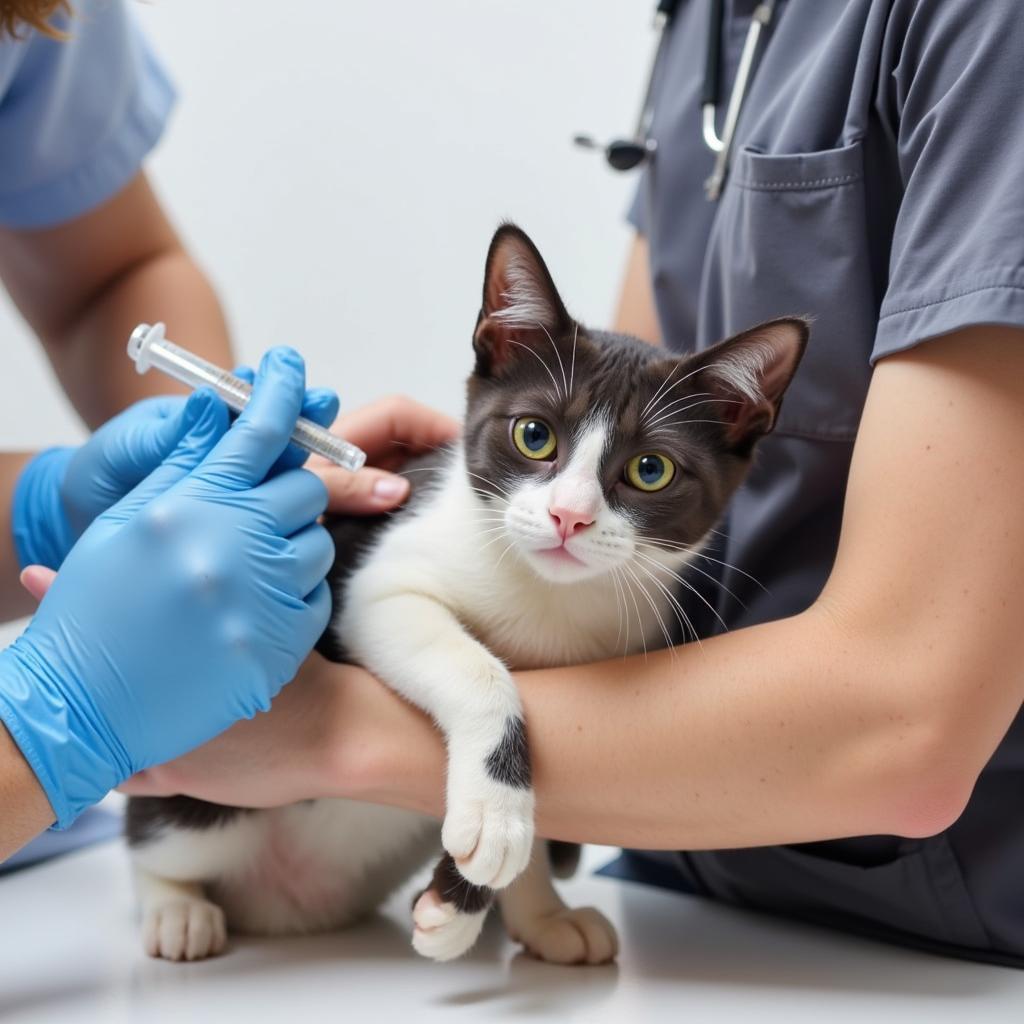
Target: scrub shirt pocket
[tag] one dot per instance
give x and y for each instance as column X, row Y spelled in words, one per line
column 791, row 237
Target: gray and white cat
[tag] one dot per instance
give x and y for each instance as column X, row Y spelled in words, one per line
column 591, row 470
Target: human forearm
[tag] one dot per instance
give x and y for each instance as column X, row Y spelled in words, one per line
column 88, row 355
column 14, row 601
column 872, row 712
column 785, row 732
column 791, row 731
column 84, row 285
column 26, row 811
column 636, row 313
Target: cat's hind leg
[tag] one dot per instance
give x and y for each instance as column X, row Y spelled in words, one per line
column 178, row 922
column 536, row 916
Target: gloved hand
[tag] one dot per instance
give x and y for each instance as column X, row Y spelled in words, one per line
column 62, row 490
column 183, row 608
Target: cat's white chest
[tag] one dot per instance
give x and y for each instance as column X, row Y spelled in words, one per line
column 538, row 625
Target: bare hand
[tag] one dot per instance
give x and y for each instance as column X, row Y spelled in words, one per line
column 390, row 431
column 333, row 732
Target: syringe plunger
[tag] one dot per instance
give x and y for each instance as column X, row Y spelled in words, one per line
column 149, row 347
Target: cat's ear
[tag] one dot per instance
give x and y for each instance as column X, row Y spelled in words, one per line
column 521, row 307
column 750, row 373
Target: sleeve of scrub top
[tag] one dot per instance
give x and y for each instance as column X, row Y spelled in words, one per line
column 77, row 116
column 957, row 255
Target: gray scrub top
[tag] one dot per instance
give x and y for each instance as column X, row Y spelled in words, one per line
column 877, row 183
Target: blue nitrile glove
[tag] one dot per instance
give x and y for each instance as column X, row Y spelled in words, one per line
column 62, row 490
column 186, row 606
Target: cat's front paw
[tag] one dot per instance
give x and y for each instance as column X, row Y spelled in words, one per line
column 573, row 935
column 488, row 830
column 442, row 930
column 184, row 929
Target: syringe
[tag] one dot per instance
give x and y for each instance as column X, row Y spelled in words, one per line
column 149, row 347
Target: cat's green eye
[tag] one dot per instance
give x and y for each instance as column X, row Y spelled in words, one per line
column 650, row 472
column 534, row 438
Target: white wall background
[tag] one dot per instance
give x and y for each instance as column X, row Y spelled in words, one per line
column 338, row 168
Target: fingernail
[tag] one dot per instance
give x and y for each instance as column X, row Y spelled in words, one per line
column 390, row 488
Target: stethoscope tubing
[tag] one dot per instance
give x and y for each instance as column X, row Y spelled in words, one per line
column 625, row 154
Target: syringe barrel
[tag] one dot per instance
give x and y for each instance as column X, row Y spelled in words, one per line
column 148, row 347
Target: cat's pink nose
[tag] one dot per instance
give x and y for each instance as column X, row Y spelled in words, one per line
column 569, row 521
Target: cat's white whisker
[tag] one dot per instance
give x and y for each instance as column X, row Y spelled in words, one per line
column 665, row 413
column 669, row 646
column 654, row 608
column 572, row 367
column 697, row 553
column 614, row 576
column 558, row 356
column 483, row 529
column 503, row 554
column 661, row 386
column 682, row 398
column 683, row 380
column 501, row 535
column 676, row 576
column 491, row 483
column 679, row 423
column 493, row 540
column 639, row 617
column 706, row 602
column 674, row 606
column 536, row 355
column 697, row 593
column 685, row 620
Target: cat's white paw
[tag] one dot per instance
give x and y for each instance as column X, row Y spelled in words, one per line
column 575, row 935
column 186, row 929
column 442, row 932
column 488, row 830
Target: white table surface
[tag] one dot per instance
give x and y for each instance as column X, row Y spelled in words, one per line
column 69, row 952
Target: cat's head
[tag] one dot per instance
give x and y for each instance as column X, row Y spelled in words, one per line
column 595, row 449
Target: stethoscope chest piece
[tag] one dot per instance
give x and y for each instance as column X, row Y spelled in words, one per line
column 627, row 153
column 621, row 154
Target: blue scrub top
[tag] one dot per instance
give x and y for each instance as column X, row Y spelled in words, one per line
column 877, row 184
column 77, row 116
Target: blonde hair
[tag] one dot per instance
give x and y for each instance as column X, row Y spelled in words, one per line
column 36, row 14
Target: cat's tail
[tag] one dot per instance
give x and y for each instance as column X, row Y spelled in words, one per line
column 449, row 914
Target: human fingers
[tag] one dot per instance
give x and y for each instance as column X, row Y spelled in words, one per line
column 37, row 580
column 391, row 429
column 320, row 405
column 289, row 501
column 205, row 423
column 313, row 552
column 364, row 493
column 260, row 435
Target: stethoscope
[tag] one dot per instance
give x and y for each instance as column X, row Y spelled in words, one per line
column 625, row 154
